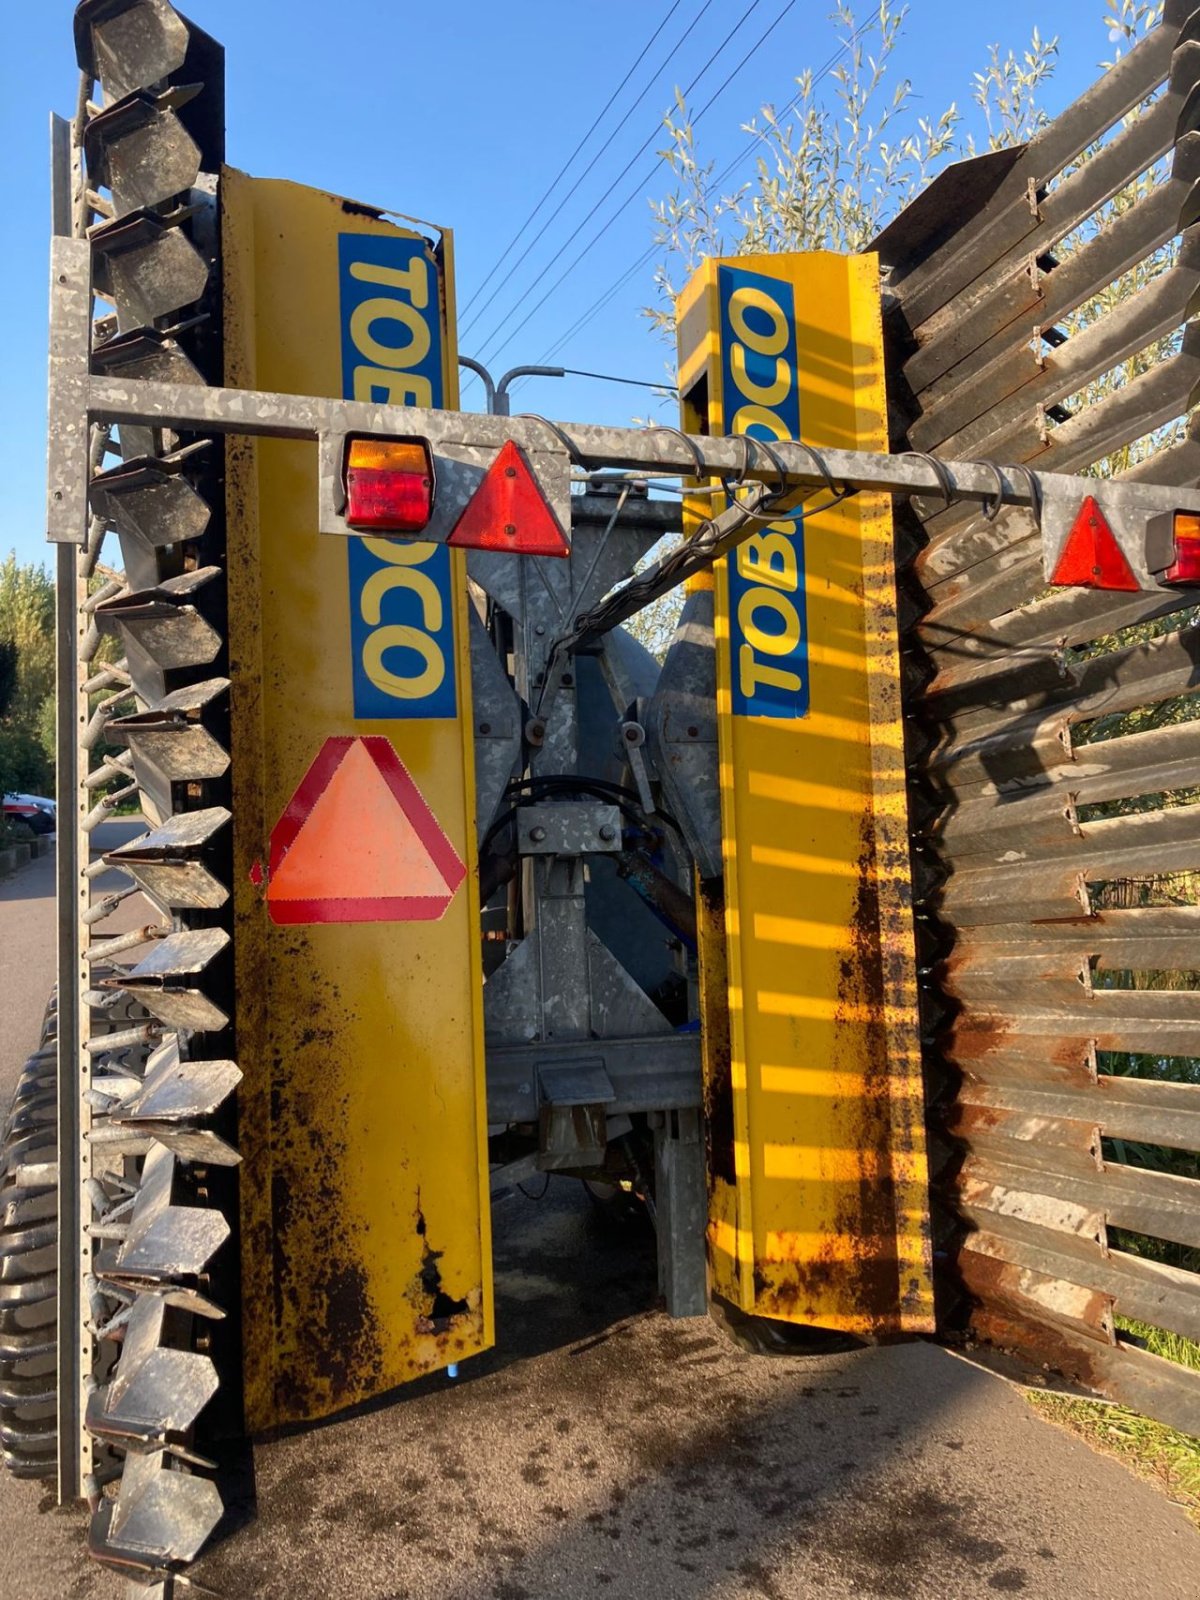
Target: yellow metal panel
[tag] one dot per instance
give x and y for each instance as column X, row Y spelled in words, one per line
column 365, row 1222
column 829, row 1220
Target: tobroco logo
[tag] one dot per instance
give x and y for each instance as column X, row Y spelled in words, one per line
column 767, row 622
column 401, row 614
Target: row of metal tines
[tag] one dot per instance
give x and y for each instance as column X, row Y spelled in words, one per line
column 154, row 715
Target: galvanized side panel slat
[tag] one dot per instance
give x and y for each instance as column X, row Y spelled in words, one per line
column 1021, row 945
column 1157, row 1204
column 1007, row 220
column 1111, row 847
column 1153, row 762
column 1138, row 1020
column 1129, row 1376
column 1123, row 1108
column 1118, row 680
column 972, row 418
column 1064, row 617
column 1036, row 294
column 1152, row 938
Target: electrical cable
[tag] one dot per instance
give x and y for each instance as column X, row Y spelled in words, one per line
column 609, row 377
column 570, row 239
column 512, row 243
column 654, row 76
column 608, row 294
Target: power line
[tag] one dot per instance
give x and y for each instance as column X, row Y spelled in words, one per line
column 608, row 294
column 515, row 240
column 652, row 80
column 753, row 6
column 608, row 377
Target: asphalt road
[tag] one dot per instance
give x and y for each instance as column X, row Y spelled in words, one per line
column 604, row 1451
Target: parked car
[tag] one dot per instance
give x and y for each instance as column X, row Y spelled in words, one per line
column 26, row 815
column 41, row 801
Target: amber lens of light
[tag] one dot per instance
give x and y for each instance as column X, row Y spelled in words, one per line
column 388, row 455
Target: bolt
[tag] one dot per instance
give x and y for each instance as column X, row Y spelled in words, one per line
column 485, row 727
column 510, row 528
column 693, row 732
column 608, row 832
column 510, row 472
column 540, row 629
column 537, row 834
column 568, row 679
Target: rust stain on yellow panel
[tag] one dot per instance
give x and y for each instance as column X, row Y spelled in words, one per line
column 828, row 1221
column 365, row 1221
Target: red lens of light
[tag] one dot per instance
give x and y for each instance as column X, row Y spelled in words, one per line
column 1184, row 572
column 389, row 486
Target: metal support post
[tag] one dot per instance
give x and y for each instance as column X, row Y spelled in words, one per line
column 680, row 1204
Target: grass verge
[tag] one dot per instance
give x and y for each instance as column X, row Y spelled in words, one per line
column 1165, row 1457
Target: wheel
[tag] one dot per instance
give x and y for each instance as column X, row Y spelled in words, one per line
column 29, row 1264
column 764, row 1336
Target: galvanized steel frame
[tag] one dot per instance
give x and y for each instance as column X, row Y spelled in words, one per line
column 1028, row 898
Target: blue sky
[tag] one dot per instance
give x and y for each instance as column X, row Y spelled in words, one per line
column 462, row 113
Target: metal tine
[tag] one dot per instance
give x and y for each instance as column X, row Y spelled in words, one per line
column 146, row 269
column 150, row 507
column 164, row 1239
column 164, row 861
column 161, row 631
column 127, row 45
column 178, row 1089
column 160, row 1515
column 158, row 1399
column 146, row 353
column 113, row 767
column 126, row 941
column 169, row 744
column 94, row 731
column 140, row 150
column 109, row 677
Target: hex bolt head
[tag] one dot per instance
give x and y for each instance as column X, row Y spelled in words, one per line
column 537, row 834
column 608, row 832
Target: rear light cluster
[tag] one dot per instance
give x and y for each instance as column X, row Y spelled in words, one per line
column 390, row 488
column 1184, row 571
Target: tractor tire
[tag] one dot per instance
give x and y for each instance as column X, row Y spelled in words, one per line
column 29, row 1264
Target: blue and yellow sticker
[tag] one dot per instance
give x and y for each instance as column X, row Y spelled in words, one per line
column 401, row 603
column 768, row 622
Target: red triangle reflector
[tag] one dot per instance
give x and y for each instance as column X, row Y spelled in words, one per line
column 358, row 843
column 509, row 512
column 1091, row 557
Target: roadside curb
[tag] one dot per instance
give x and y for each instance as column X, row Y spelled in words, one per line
column 15, row 856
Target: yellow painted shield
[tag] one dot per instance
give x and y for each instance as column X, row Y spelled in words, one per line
column 818, row 1181
column 365, row 1228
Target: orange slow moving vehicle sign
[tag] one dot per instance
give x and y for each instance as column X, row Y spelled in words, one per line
column 366, row 1251
column 357, row 843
